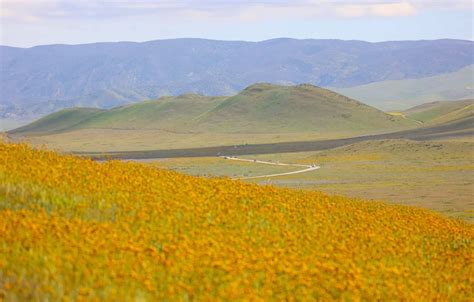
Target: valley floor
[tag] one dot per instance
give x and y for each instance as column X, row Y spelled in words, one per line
column 129, row 140
column 437, row 175
column 430, row 167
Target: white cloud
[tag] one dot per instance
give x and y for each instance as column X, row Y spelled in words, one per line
column 399, row 9
column 35, row 10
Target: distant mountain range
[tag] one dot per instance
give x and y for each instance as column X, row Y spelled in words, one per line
column 43, row 79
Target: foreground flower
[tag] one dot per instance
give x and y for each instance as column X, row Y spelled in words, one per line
column 74, row 229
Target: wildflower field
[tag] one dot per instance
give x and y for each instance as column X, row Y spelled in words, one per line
column 75, row 229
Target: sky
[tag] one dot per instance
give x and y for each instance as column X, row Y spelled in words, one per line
column 26, row 23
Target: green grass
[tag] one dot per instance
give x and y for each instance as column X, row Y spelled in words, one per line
column 441, row 112
column 58, row 122
column 260, row 108
column 403, row 94
column 302, row 108
column 171, row 113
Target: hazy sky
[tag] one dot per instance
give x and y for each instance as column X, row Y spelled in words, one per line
column 27, row 23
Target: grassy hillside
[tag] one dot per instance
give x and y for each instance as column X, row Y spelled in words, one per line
column 60, row 121
column 74, row 229
column 441, row 112
column 463, row 113
column 260, row 108
column 302, row 108
column 166, row 112
column 159, row 143
column 402, row 94
column 169, row 113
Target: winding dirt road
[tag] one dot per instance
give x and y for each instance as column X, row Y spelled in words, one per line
column 307, row 168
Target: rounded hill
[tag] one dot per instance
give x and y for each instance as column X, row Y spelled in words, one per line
column 302, row 108
column 259, row 108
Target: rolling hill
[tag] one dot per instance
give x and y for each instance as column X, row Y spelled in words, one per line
column 441, row 112
column 59, row 121
column 402, row 94
column 43, row 79
column 260, row 108
column 302, row 108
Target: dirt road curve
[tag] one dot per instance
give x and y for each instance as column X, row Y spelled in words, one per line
column 307, row 168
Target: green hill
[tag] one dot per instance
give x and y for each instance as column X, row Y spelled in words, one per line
column 60, row 121
column 402, row 94
column 302, row 108
column 260, row 108
column 170, row 113
column 441, row 112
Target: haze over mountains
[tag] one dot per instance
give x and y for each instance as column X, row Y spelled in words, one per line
column 43, row 79
column 402, row 94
